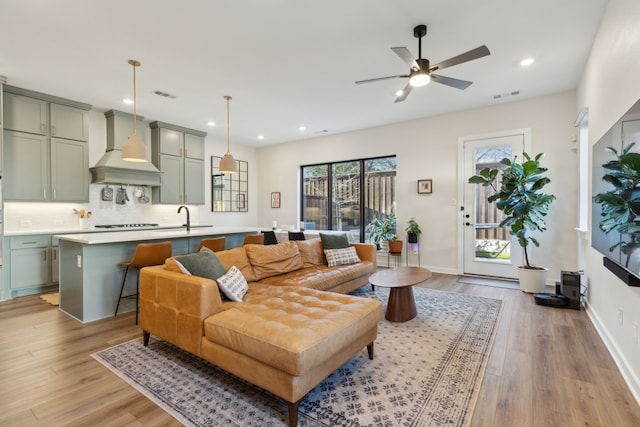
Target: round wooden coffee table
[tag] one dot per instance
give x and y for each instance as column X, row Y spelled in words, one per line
column 401, row 305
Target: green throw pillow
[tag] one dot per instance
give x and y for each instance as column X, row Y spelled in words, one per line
column 202, row 264
column 334, row 241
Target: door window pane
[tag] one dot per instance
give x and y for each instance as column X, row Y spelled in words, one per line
column 492, row 242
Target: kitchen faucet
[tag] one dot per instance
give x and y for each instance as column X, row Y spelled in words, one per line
column 188, row 217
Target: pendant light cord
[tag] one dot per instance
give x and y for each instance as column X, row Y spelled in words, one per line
column 228, row 98
column 135, row 64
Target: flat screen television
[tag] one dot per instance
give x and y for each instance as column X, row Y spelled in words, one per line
column 620, row 245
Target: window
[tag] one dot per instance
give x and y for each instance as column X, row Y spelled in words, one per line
column 333, row 197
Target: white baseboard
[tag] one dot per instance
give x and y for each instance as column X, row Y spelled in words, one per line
column 618, row 357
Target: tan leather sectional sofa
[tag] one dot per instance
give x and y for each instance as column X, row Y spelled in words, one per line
column 287, row 334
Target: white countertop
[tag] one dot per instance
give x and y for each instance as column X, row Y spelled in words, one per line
column 96, row 238
column 34, row 231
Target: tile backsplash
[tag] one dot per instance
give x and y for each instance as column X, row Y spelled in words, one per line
column 21, row 216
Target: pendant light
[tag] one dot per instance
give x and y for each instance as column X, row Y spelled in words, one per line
column 134, row 149
column 228, row 163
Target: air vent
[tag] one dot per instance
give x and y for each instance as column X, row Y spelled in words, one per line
column 164, row 94
column 506, row 95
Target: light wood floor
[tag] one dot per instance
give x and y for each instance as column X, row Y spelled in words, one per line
column 548, row 367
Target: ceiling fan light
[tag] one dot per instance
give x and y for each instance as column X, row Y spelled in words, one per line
column 420, row 79
column 227, row 164
column 134, row 149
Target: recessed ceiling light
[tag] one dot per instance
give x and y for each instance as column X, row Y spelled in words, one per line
column 400, row 93
column 302, row 128
column 526, row 62
column 212, row 124
column 260, row 136
column 128, row 101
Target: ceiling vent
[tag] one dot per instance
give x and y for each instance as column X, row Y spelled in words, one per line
column 506, row 95
column 164, row 94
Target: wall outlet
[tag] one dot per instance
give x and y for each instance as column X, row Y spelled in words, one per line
column 620, row 315
column 58, row 222
column 25, row 223
column 79, row 261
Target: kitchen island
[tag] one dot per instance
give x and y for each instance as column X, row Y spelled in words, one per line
column 90, row 279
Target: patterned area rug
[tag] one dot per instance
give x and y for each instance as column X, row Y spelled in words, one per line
column 426, row 372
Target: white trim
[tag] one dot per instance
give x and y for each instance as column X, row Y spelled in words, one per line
column 633, row 382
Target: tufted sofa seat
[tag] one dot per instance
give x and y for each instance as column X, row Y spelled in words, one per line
column 286, row 335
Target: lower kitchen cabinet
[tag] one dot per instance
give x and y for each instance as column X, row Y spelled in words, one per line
column 33, row 264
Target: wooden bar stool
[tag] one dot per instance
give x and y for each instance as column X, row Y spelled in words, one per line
column 216, row 244
column 146, row 255
column 256, row 239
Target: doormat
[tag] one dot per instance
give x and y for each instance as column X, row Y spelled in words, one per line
column 53, row 299
column 426, row 372
column 490, row 281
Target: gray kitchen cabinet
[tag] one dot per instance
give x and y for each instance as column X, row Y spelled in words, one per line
column 179, row 154
column 25, row 114
column 171, row 181
column 31, row 263
column 46, row 153
column 69, row 175
column 193, row 181
column 26, row 166
column 29, row 114
column 69, row 122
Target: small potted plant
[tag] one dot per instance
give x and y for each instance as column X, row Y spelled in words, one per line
column 381, row 230
column 524, row 206
column 413, row 231
column 395, row 245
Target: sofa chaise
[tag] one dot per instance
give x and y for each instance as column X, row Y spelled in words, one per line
column 286, row 334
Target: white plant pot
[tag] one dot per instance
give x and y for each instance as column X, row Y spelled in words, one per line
column 532, row 280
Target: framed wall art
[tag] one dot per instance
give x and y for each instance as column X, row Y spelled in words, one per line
column 275, row 199
column 424, row 186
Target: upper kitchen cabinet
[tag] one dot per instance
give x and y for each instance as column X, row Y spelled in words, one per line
column 46, row 155
column 38, row 116
column 179, row 154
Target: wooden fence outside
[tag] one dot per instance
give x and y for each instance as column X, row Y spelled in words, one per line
column 379, row 198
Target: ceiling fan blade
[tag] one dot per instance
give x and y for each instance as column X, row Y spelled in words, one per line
column 450, row 81
column 476, row 53
column 406, row 56
column 405, row 93
column 380, row 78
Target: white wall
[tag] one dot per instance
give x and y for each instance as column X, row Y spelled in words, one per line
column 609, row 87
column 427, row 148
column 59, row 216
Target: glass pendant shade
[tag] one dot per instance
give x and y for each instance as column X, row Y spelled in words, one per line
column 134, row 149
column 228, row 163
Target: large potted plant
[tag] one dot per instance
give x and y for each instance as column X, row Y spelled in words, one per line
column 413, row 231
column 620, row 206
column 381, row 230
column 524, row 205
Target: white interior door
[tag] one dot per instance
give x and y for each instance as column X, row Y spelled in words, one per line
column 487, row 249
